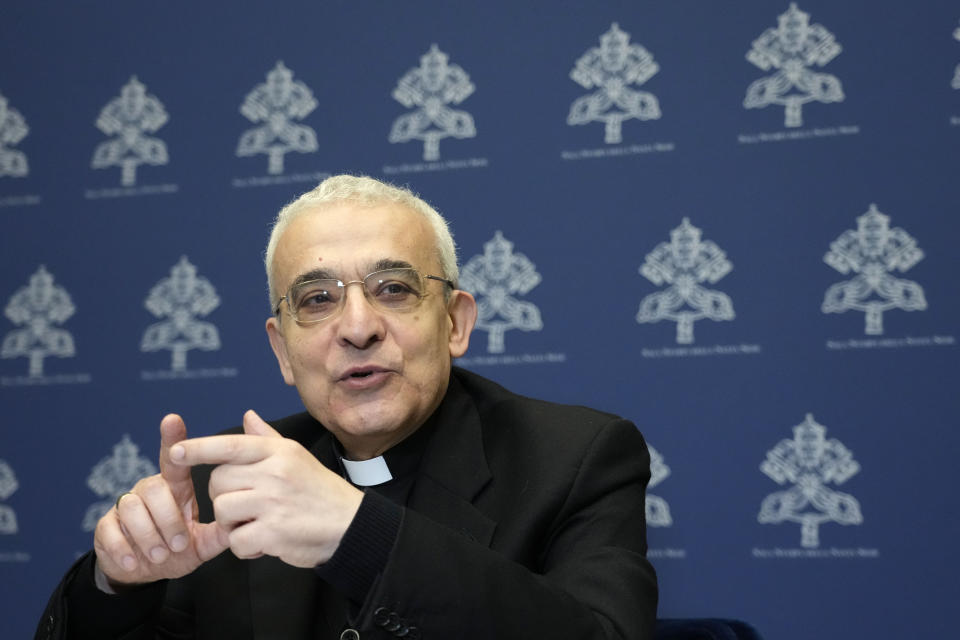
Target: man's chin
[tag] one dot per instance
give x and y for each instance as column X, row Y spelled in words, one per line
column 373, row 418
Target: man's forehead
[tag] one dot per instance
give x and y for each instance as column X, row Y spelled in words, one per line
column 350, row 241
column 347, row 223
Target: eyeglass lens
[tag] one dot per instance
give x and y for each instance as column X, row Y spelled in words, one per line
column 392, row 289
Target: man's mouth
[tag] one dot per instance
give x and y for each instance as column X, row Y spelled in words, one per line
column 359, row 373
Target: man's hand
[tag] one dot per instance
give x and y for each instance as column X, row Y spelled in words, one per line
column 272, row 495
column 153, row 531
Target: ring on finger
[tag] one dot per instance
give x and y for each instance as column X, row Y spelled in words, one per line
column 120, row 497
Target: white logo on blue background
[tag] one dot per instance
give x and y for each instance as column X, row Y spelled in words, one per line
column 112, row 476
column 683, row 265
column 429, row 89
column 792, row 48
column 13, row 129
column 127, row 119
column 872, row 251
column 179, row 301
column 657, row 509
column 809, row 462
column 276, row 103
column 497, row 277
column 8, row 486
column 611, row 69
column 956, row 74
column 38, row 308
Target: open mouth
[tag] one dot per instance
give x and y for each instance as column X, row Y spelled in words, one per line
column 360, row 374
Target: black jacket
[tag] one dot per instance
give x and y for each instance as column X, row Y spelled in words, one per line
column 526, row 520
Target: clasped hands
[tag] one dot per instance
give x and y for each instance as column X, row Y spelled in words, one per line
column 270, row 497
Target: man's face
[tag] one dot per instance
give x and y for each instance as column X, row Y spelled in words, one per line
column 370, row 376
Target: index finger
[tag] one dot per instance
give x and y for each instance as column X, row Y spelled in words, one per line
column 225, row 449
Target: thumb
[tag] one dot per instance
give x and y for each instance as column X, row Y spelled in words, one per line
column 254, row 425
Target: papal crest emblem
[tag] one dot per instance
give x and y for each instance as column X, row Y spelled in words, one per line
column 127, row 119
column 683, row 265
column 612, row 70
column 809, row 463
column 956, row 73
column 497, row 278
column 657, row 509
column 13, row 129
column 430, row 90
column 790, row 50
column 8, row 486
column 871, row 252
column 38, row 309
column 276, row 105
column 112, row 476
column 179, row 301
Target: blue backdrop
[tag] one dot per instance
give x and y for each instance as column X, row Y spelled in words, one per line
column 730, row 223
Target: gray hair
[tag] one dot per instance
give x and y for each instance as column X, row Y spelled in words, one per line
column 367, row 192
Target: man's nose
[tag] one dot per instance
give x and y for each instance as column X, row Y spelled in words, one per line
column 360, row 323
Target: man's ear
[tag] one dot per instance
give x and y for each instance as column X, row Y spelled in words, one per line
column 462, row 310
column 279, row 346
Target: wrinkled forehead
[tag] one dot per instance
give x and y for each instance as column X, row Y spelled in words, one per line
column 349, row 241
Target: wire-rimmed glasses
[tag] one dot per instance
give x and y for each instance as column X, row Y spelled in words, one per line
column 390, row 290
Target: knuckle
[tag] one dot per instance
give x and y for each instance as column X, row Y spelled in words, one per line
column 144, row 483
column 167, row 520
column 282, row 467
column 247, row 542
column 117, row 548
column 153, row 486
column 137, row 524
column 232, row 446
column 113, row 542
column 239, row 542
column 218, row 508
column 218, row 480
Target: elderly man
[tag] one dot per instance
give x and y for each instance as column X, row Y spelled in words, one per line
column 411, row 499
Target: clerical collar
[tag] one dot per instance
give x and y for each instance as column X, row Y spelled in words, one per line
column 400, row 461
column 367, row 473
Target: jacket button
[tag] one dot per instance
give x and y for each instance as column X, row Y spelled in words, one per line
column 413, row 633
column 349, row 634
column 380, row 616
column 393, row 622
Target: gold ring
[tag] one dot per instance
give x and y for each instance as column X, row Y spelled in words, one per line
column 120, row 497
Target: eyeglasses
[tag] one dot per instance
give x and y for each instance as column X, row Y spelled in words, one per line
column 388, row 290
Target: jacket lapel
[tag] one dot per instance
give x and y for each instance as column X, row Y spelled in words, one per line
column 454, row 469
column 284, row 599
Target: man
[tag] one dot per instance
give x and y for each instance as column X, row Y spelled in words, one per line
column 412, row 499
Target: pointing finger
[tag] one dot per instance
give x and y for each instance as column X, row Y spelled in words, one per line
column 227, row 449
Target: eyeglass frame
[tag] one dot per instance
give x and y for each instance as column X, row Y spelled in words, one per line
column 366, row 294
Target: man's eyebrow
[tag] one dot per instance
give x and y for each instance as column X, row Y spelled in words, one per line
column 314, row 274
column 391, row 263
column 325, row 274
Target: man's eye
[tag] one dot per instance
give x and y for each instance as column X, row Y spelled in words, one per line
column 395, row 291
column 315, row 300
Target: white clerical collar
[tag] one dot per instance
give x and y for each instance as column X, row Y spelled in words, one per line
column 367, row 473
